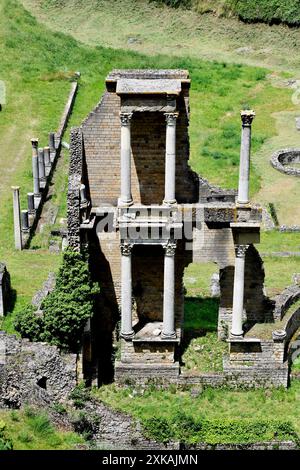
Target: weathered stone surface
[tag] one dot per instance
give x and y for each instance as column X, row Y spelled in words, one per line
column 283, row 160
column 5, row 289
column 128, row 86
column 48, row 287
column 75, row 174
column 285, row 299
column 33, row 371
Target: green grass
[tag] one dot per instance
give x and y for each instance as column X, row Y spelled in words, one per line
column 32, row 430
column 210, row 404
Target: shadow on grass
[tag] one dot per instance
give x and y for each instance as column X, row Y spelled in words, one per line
column 200, row 317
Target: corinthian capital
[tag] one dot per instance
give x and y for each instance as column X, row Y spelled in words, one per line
column 126, row 248
column 247, row 116
column 240, row 250
column 170, row 247
column 171, row 118
column 125, row 119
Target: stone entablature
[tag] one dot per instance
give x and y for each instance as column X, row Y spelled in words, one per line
column 283, row 160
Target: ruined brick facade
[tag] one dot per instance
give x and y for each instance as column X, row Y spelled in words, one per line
column 213, row 212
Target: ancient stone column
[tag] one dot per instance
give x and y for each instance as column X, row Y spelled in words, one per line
column 126, row 291
column 243, row 193
column 47, row 160
column 170, row 164
column 30, row 203
column 42, row 173
column 126, row 197
column 168, row 331
column 52, row 141
column 17, row 217
column 83, row 198
column 35, row 167
column 25, row 221
column 238, row 291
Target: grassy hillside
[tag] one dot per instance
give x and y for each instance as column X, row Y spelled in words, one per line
column 268, row 11
column 142, row 26
column 29, row 429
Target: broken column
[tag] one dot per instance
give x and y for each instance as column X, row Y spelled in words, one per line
column 17, row 217
column 5, row 289
column 168, row 331
column 47, row 160
column 238, row 291
column 126, row 291
column 126, row 197
column 35, row 167
column 42, row 173
column 30, row 203
column 25, row 221
column 170, row 165
column 247, row 117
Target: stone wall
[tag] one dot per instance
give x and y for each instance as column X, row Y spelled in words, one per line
column 283, row 160
column 29, row 369
column 75, row 176
column 101, row 134
column 5, row 289
column 257, row 307
column 285, row 299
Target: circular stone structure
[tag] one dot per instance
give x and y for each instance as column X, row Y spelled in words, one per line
column 283, row 160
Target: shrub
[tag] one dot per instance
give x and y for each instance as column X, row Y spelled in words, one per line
column 5, row 442
column 66, row 309
column 188, row 429
column 71, row 304
column 28, row 324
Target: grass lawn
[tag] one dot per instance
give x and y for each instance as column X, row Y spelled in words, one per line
column 29, row 429
column 210, row 404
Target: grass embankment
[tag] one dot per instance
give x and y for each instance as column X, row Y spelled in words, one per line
column 214, row 405
column 29, row 429
column 37, row 87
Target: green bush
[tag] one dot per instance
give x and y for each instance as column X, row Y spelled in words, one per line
column 65, row 310
column 268, row 11
column 188, row 429
column 5, row 442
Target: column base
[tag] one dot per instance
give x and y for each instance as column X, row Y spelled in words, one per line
column 168, row 335
column 127, row 335
column 242, row 204
column 122, row 203
column 172, row 202
column 236, row 336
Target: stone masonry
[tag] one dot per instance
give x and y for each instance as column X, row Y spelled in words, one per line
column 145, row 215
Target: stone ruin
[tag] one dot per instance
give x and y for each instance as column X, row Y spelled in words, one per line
column 5, row 289
column 144, row 216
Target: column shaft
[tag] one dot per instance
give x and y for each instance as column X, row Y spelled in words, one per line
column 168, row 331
column 170, row 163
column 244, row 175
column 126, row 292
column 35, row 167
column 17, row 218
column 126, row 197
column 42, row 173
column 238, row 291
